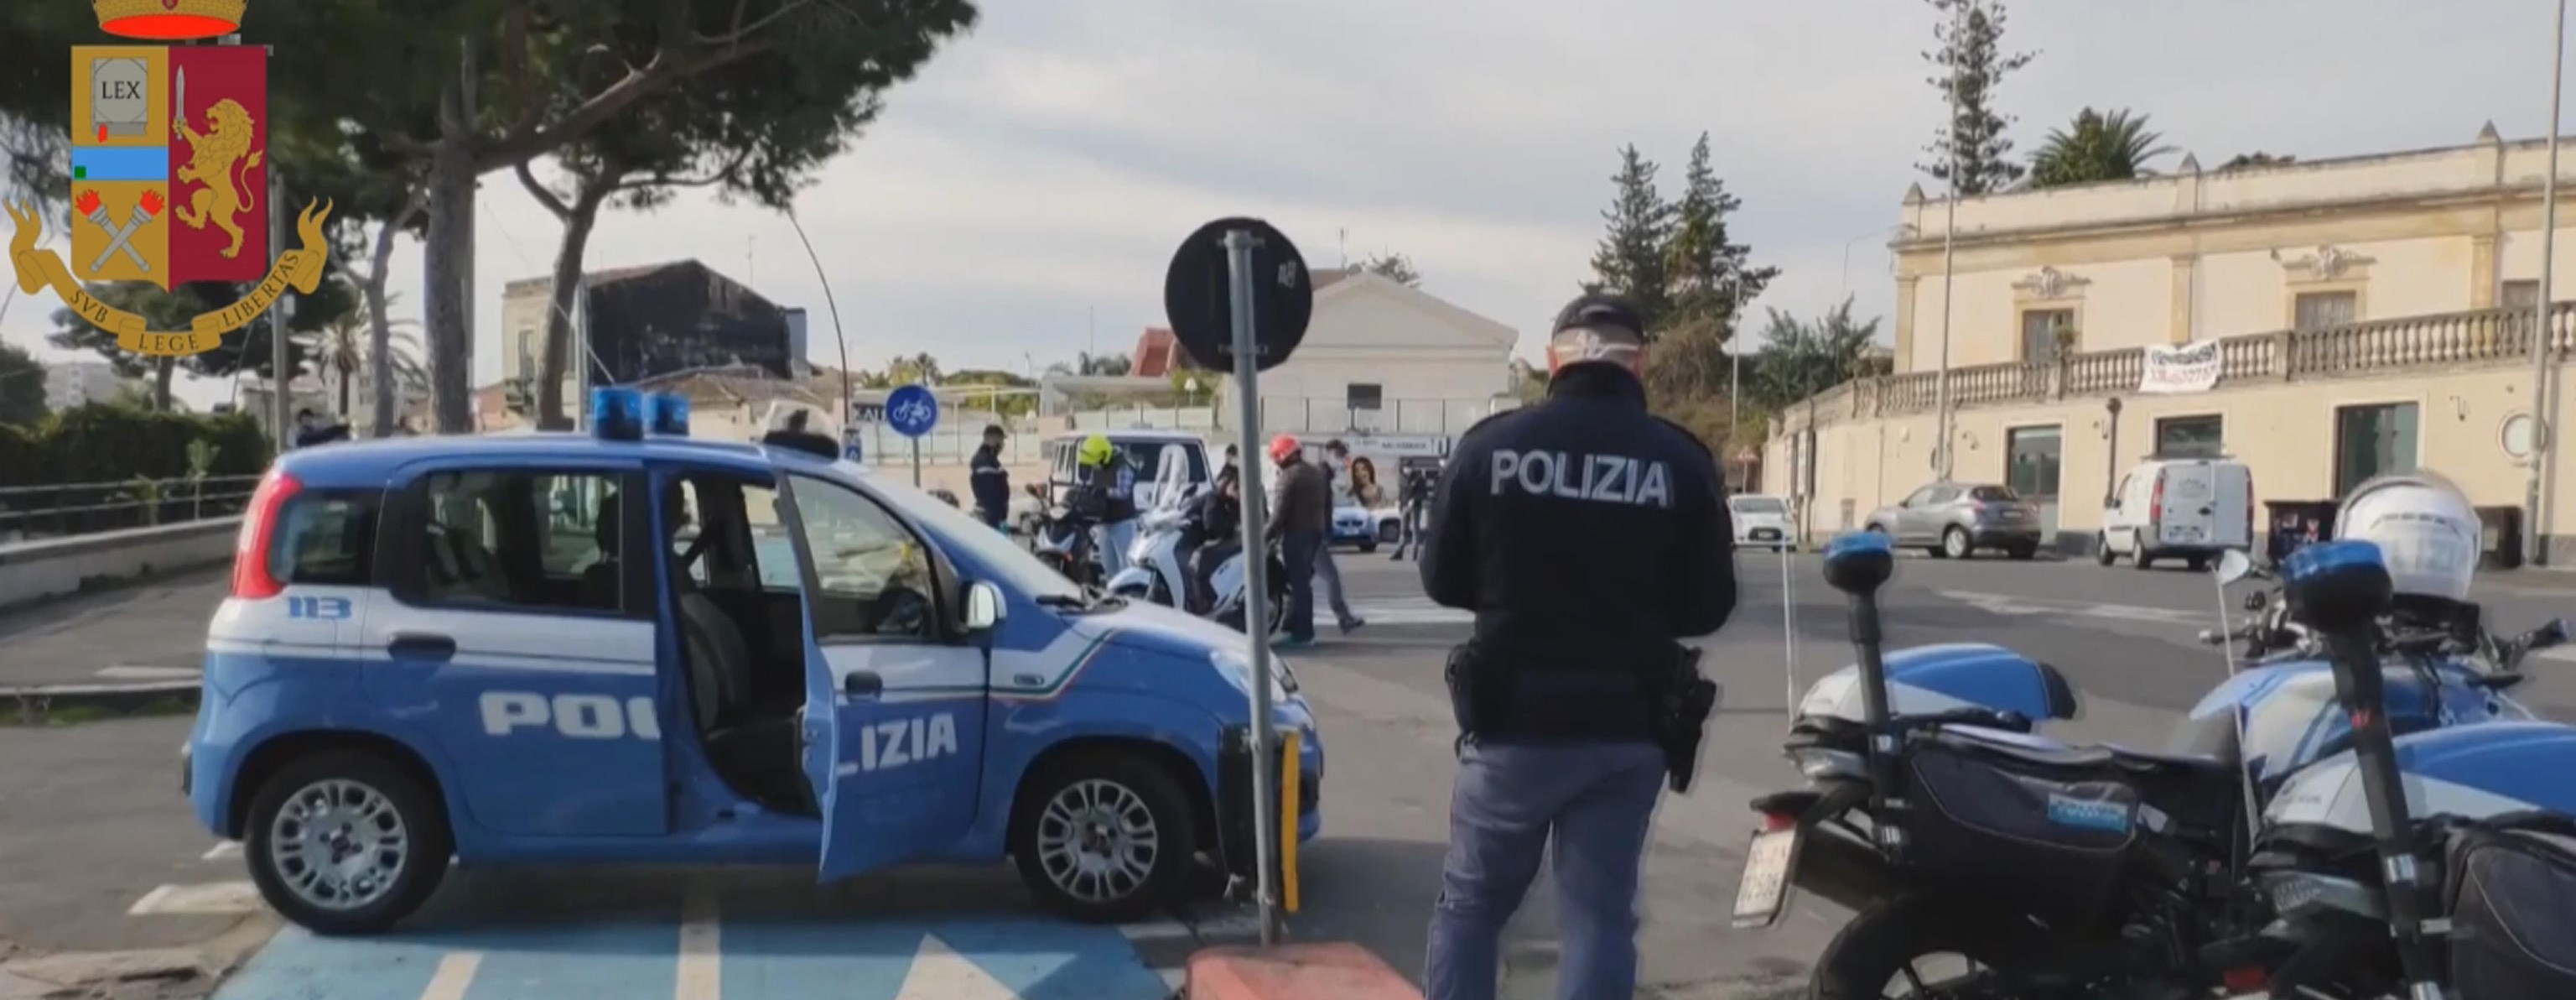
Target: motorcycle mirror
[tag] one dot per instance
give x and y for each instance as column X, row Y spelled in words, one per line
column 2210, row 637
column 2257, row 600
column 2234, row 565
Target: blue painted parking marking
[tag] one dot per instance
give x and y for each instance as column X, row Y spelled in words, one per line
column 950, row 958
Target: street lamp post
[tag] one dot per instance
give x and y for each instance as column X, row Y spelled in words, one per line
column 1949, row 246
column 2543, row 442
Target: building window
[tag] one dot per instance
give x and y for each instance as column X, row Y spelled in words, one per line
column 1366, row 397
column 2036, row 455
column 2372, row 441
column 2326, row 310
column 2520, row 294
column 2191, row 437
column 2040, row 329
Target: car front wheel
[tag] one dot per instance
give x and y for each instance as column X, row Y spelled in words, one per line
column 1104, row 837
column 1955, row 544
column 345, row 842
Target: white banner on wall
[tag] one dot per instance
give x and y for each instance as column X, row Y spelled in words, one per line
column 2181, row 368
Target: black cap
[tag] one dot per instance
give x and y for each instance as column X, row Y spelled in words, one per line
column 1600, row 311
column 995, row 429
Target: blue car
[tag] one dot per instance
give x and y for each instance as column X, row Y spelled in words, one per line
column 631, row 647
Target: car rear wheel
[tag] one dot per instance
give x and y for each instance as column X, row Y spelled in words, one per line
column 1104, row 837
column 1955, row 544
column 344, row 842
column 2138, row 557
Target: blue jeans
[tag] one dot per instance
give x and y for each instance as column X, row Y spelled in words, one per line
column 1297, row 549
column 1597, row 801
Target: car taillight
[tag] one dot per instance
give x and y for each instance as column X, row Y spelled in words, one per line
column 251, row 578
column 2156, row 503
column 1775, row 822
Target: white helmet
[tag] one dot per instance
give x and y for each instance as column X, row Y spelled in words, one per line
column 2424, row 527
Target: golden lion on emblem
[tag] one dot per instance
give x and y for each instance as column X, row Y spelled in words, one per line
column 215, row 162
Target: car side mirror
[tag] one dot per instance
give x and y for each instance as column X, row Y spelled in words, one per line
column 2234, row 565
column 983, row 606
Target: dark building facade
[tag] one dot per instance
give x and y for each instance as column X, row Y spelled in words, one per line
column 664, row 318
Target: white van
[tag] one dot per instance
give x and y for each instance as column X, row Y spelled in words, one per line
column 2178, row 508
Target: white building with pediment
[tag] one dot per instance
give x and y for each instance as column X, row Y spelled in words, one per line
column 1386, row 357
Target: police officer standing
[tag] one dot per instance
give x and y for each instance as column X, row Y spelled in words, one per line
column 1588, row 536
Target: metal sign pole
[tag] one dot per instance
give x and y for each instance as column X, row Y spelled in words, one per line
column 916, row 463
column 1256, row 598
column 278, row 312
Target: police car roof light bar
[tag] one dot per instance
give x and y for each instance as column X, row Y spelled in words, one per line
column 667, row 414
column 616, row 414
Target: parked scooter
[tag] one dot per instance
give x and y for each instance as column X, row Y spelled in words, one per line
column 1157, row 569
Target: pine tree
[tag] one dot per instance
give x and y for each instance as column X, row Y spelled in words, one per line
column 1630, row 261
column 1708, row 280
column 1971, row 62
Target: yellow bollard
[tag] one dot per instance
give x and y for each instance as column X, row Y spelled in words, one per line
column 1288, row 820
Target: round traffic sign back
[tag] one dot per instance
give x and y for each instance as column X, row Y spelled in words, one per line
column 1198, row 299
column 912, row 410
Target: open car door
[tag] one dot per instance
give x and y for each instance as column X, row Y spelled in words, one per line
column 892, row 730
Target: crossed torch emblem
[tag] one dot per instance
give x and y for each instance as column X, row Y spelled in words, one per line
column 120, row 237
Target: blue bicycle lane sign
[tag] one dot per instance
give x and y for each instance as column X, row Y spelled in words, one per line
column 912, row 411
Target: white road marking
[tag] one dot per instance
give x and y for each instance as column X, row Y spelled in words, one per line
column 2018, row 605
column 222, row 850
column 454, row 976
column 940, row 973
column 701, row 945
column 202, row 898
column 1157, row 931
column 1407, row 611
column 125, row 672
column 2563, row 654
column 1175, row 980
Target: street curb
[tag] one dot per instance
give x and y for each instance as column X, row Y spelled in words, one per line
column 1329, row 971
column 190, row 969
column 33, row 702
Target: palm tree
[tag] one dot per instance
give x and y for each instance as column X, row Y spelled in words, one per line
column 341, row 349
column 2099, row 147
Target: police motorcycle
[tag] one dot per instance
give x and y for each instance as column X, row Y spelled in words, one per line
column 2437, row 865
column 1157, row 572
column 2193, row 801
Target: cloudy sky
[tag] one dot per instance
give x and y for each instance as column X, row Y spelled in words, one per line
column 1020, row 199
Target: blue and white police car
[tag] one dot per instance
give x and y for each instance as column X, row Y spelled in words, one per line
column 629, row 646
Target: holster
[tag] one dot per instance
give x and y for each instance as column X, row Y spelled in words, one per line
column 1684, row 699
column 1471, row 690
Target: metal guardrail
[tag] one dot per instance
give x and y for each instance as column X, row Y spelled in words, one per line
column 61, row 510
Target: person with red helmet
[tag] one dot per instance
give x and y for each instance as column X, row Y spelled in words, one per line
column 1301, row 512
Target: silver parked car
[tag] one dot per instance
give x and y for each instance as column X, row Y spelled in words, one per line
column 1956, row 519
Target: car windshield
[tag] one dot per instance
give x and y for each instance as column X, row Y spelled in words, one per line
column 1757, row 505
column 1995, row 494
column 990, row 548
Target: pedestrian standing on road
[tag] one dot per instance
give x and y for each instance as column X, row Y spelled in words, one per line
column 991, row 483
column 1301, row 511
column 1415, row 486
column 1337, row 460
column 1589, row 537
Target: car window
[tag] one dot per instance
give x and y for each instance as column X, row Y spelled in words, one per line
column 871, row 576
column 1941, row 495
column 1919, row 498
column 1757, row 505
column 521, row 539
column 325, row 537
column 1994, row 494
column 2121, row 492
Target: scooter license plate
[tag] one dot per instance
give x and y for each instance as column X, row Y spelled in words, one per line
column 1763, row 892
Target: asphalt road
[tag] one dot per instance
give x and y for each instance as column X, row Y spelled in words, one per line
column 92, row 829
